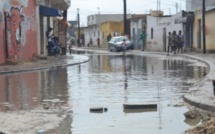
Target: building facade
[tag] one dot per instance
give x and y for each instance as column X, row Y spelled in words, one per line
column 137, row 26
column 192, row 5
column 97, row 23
column 18, row 36
column 158, row 29
column 51, row 14
column 209, row 31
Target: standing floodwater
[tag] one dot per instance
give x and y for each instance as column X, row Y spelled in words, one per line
column 110, row 81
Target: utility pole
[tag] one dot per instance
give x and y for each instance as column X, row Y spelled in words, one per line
column 176, row 6
column 169, row 11
column 98, row 10
column 203, row 26
column 78, row 27
column 125, row 18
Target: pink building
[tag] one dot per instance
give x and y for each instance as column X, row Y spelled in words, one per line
column 18, row 30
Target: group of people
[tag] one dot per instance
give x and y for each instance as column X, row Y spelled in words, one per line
column 175, row 42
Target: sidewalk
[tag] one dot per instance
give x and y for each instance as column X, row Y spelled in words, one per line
column 201, row 94
column 51, row 62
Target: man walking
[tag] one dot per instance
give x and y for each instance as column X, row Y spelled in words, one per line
column 169, row 43
column 98, row 42
column 180, row 42
column 143, row 38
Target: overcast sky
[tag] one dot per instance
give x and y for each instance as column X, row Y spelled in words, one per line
column 90, row 7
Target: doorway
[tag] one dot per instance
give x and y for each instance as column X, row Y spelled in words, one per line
column 134, row 37
column 164, row 40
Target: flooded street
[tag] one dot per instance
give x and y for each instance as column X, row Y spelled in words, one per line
column 110, row 81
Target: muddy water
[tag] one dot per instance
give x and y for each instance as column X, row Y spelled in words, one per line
column 110, row 81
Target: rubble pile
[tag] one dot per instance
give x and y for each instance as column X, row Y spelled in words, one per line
column 205, row 128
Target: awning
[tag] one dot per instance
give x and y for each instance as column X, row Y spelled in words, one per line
column 47, row 11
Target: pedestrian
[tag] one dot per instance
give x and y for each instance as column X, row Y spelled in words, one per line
column 91, row 42
column 49, row 39
column 169, row 43
column 143, row 39
column 174, row 41
column 124, row 46
column 98, row 42
column 109, row 37
column 180, row 42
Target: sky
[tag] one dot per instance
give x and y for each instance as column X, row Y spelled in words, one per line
column 91, row 7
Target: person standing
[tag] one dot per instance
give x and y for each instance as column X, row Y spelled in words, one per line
column 180, row 42
column 50, row 43
column 143, row 39
column 174, row 41
column 109, row 37
column 98, row 42
column 169, row 43
column 124, row 46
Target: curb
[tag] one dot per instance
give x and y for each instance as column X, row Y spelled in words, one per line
column 42, row 68
column 189, row 99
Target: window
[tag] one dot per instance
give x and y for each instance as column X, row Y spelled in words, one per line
column 152, row 33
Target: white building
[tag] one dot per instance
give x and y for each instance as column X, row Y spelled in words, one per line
column 137, row 26
column 158, row 29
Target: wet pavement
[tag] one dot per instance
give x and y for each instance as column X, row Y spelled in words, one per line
column 109, row 80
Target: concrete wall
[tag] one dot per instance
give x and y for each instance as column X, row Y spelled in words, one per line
column 210, row 31
column 161, row 26
column 21, row 29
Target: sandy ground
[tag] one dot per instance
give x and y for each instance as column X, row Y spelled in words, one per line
column 28, row 122
column 205, row 128
column 43, row 119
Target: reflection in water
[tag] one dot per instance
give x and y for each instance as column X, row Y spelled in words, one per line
column 25, row 91
column 108, row 81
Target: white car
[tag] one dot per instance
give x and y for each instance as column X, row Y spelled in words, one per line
column 115, row 44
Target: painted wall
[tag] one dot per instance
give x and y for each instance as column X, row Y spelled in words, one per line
column 210, row 31
column 21, row 29
column 102, row 31
column 2, row 53
column 161, row 27
column 109, row 28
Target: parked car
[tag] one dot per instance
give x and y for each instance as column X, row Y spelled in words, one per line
column 115, row 44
